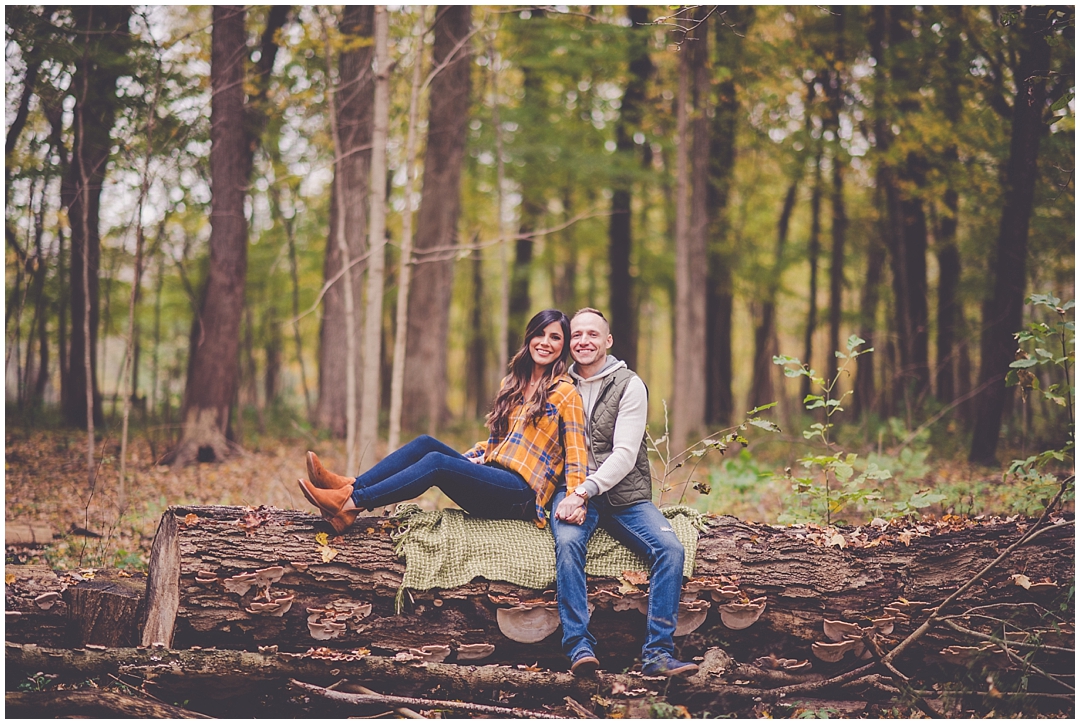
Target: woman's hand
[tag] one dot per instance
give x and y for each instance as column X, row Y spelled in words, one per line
column 571, row 509
column 479, row 460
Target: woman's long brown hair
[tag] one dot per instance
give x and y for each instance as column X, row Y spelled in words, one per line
column 512, row 392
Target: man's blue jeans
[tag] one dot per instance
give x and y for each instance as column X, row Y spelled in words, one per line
column 489, row 491
column 644, row 530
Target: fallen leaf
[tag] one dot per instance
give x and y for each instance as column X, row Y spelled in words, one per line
column 906, row 536
column 637, row 578
column 9, row 578
column 322, row 539
column 838, row 541
column 191, row 520
column 1019, row 579
column 328, row 553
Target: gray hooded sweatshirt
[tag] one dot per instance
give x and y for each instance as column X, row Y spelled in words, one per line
column 629, row 427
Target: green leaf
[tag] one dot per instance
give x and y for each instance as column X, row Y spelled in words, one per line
column 783, row 359
column 1072, row 302
column 854, row 341
column 840, row 355
column 1023, row 363
column 794, row 372
column 843, row 471
column 1062, row 102
column 816, row 404
column 812, row 397
column 764, row 424
column 1044, row 353
column 761, row 408
column 1011, row 378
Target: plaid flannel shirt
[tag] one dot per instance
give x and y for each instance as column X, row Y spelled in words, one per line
column 543, row 453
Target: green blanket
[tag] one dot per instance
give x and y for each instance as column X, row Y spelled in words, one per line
column 448, row 548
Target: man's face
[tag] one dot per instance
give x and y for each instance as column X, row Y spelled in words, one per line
column 589, row 339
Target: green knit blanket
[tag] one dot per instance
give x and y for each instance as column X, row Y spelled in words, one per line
column 448, row 548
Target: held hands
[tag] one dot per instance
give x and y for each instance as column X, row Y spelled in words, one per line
column 571, row 509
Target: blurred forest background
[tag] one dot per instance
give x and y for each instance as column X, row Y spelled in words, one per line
column 196, row 249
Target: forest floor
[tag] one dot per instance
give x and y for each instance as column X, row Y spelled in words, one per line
column 106, row 525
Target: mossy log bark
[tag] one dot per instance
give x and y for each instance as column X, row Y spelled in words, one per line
column 804, row 582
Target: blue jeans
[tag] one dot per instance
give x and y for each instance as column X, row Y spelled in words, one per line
column 644, row 530
column 489, row 491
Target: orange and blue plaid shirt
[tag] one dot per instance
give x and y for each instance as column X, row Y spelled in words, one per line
column 543, row 453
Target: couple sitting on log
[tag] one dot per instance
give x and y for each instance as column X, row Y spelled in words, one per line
column 572, row 437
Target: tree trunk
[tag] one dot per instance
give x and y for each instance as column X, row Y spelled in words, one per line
column 692, row 224
column 235, row 131
column 476, row 373
column 94, row 87
column 87, row 703
column 1003, row 310
column 834, row 90
column 424, row 392
column 351, row 173
column 948, row 253
column 865, row 398
column 373, row 318
column 761, row 388
column 813, row 252
column 719, row 400
column 802, row 578
column 620, row 235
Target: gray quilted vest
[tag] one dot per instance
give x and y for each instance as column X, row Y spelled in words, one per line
column 637, row 485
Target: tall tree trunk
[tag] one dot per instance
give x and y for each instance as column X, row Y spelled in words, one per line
column 405, row 261
column 719, row 400
column 424, row 392
column 865, row 398
column 1003, row 310
column 235, row 131
column 476, row 390
column 834, row 90
column 692, row 217
column 620, row 235
column 813, row 252
column 351, row 173
column 948, row 254
column 213, row 364
column 105, row 34
column 761, row 388
column 373, row 318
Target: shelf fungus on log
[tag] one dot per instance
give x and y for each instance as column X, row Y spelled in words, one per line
column 205, row 580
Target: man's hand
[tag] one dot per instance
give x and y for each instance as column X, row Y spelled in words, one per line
column 479, row 459
column 571, row 509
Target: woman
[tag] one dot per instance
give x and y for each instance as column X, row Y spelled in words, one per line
column 537, row 436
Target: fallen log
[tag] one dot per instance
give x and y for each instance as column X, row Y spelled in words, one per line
column 89, row 703
column 242, row 578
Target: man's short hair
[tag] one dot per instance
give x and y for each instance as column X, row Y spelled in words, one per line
column 597, row 312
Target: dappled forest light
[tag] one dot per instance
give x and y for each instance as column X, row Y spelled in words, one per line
column 729, row 184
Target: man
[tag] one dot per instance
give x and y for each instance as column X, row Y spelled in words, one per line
column 618, row 494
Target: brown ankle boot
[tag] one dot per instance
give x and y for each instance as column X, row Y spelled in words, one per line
column 331, row 504
column 320, row 477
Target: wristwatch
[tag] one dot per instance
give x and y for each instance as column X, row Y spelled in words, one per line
column 582, row 493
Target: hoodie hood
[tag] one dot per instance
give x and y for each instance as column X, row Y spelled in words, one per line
column 610, row 366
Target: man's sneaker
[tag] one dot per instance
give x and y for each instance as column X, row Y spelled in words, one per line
column 584, row 665
column 668, row 666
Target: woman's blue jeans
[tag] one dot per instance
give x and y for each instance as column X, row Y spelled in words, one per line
column 489, row 491
column 644, row 530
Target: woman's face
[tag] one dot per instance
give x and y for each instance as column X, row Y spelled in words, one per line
column 547, row 347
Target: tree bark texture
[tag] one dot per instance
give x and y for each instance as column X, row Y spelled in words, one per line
column 1002, row 311
column 213, row 366
column 835, row 94
column 354, row 103
column 424, row 393
column 761, row 387
column 103, row 38
column 692, row 212
column 620, row 235
column 803, row 580
column 719, row 400
column 84, row 703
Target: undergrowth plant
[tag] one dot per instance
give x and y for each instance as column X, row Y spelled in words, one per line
column 830, row 480
column 1051, row 346
column 720, row 440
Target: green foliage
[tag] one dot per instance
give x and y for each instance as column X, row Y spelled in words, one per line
column 1051, row 346
column 831, row 484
